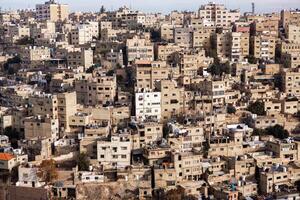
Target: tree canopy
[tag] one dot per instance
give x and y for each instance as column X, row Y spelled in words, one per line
column 83, row 162
column 257, row 107
column 277, row 131
column 47, row 170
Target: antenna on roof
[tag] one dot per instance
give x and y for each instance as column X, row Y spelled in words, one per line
column 253, row 7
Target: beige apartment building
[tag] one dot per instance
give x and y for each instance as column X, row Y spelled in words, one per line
column 147, row 133
column 289, row 47
column 139, row 49
column 233, row 45
column 96, row 90
column 32, row 54
column 58, row 106
column 165, row 176
column 239, row 45
column 213, row 91
column 269, row 27
column 190, row 137
column 16, row 32
column 190, row 61
column 290, row 106
column 202, row 37
column 293, row 33
column 187, row 165
column 147, row 73
column 183, row 36
column 218, row 14
column 167, row 31
column 290, row 17
column 43, row 104
column 52, row 11
column 66, row 107
column 176, row 17
column 243, row 166
column 272, row 178
column 80, row 57
column 263, row 46
column 262, row 122
column 271, row 106
column 156, row 154
column 41, row 127
column 286, row 150
column 291, row 82
column 164, row 51
column 224, row 146
column 222, row 42
column 172, row 97
column 291, row 60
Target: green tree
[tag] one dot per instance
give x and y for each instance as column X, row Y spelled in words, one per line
column 218, row 69
column 7, row 66
column 13, row 136
column 257, row 108
column 252, row 59
column 83, row 162
column 25, row 41
column 48, row 78
column 231, row 109
column 277, row 131
column 90, row 69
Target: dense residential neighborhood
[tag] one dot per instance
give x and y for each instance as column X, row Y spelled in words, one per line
column 123, row 104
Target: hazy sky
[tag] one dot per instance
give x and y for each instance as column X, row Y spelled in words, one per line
column 158, row 5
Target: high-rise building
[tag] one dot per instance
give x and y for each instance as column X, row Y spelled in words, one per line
column 218, row 14
column 52, row 11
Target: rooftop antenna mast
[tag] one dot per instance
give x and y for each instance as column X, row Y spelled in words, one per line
column 253, row 8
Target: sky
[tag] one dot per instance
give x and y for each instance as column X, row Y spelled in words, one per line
column 163, row 6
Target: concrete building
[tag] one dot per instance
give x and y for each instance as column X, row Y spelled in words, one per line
column 80, row 57
column 33, row 54
column 84, row 33
column 52, row 11
column 147, row 73
column 115, row 152
column 147, row 104
column 172, row 97
column 7, row 161
column 293, row 33
column 41, row 126
column 291, row 82
column 139, row 49
column 96, row 90
column 263, row 46
column 218, row 14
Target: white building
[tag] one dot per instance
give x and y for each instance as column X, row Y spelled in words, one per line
column 147, row 104
column 28, row 177
column 84, row 33
column 88, row 177
column 116, row 152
